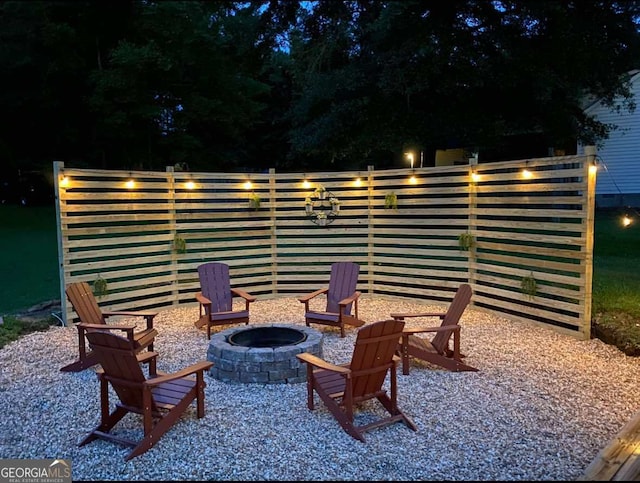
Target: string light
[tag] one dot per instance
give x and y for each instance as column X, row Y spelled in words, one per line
column 64, row 182
column 526, row 174
column 305, row 183
column 190, row 185
column 475, row 176
column 413, row 179
column 130, row 184
column 626, row 220
column 248, row 184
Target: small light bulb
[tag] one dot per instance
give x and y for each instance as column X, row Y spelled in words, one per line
column 626, row 221
column 248, row 185
column 130, row 184
column 413, row 180
column 475, row 176
column 358, row 182
column 593, row 169
column 526, row 174
column 190, row 185
column 305, row 184
column 64, row 182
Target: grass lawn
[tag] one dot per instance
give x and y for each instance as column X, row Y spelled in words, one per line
column 616, row 282
column 28, row 257
column 29, row 266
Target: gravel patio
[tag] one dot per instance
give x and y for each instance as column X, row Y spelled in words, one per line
column 540, row 408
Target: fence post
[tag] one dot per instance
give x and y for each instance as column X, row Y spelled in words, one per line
column 274, row 237
column 58, row 172
column 590, row 203
column 472, row 227
column 171, row 189
column 370, row 240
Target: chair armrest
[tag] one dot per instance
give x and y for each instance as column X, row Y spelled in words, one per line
column 145, row 357
column 441, row 328
column 308, row 297
column 202, row 299
column 241, row 293
column 428, row 314
column 322, row 364
column 350, row 299
column 126, row 328
column 187, row 371
column 148, row 315
column 129, row 313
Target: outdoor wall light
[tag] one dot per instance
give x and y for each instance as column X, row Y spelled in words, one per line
column 409, row 156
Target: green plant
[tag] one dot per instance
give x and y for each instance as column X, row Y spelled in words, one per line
column 529, row 286
column 320, row 192
column 179, row 244
column 100, row 287
column 465, row 241
column 391, row 201
column 254, row 201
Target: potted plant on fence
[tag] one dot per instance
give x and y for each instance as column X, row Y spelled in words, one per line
column 320, row 192
column 335, row 204
column 391, row 201
column 322, row 218
column 254, row 201
column 308, row 205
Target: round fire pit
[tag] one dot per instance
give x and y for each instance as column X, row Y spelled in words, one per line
column 263, row 353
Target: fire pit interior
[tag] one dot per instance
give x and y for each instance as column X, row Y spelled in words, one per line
column 262, row 353
column 267, row 337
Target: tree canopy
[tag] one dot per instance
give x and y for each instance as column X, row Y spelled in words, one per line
column 289, row 84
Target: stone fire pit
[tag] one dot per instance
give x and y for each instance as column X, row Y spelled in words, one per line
column 262, row 353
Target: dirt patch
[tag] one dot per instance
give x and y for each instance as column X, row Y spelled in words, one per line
column 41, row 311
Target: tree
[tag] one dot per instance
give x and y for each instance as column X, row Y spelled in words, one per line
column 375, row 76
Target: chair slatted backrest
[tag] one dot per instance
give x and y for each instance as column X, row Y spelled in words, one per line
column 458, row 305
column 216, row 286
column 373, row 353
column 84, row 303
column 118, row 359
column 342, row 284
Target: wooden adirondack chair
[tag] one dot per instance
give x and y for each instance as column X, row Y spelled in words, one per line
column 92, row 317
column 216, row 298
column 437, row 350
column 341, row 295
column 342, row 387
column 160, row 399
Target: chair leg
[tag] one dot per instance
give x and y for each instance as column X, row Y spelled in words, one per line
column 106, row 425
column 162, row 426
column 81, row 364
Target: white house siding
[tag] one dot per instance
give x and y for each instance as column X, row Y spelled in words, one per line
column 618, row 182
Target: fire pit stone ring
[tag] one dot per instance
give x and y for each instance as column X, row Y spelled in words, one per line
column 262, row 353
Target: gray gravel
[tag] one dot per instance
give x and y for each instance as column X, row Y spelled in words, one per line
column 541, row 407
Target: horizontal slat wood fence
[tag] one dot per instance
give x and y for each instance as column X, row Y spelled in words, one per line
column 540, row 227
